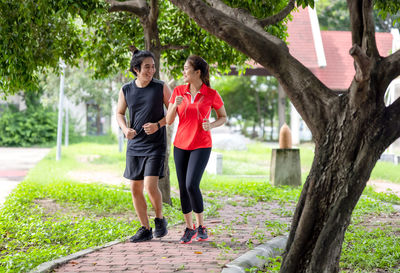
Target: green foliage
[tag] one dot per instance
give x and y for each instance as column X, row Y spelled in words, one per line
column 367, row 249
column 250, row 100
column 35, row 35
column 334, row 15
column 29, row 127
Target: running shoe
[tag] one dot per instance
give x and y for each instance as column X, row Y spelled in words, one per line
column 202, row 233
column 143, row 234
column 161, row 227
column 188, row 236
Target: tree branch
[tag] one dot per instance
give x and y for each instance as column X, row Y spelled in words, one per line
column 154, row 10
column 174, row 47
column 279, row 16
column 138, row 7
column 390, row 124
column 312, row 99
column 241, row 15
column 369, row 42
column 363, row 63
column 388, row 70
column 392, row 118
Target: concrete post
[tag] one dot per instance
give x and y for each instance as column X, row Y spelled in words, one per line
column 285, row 162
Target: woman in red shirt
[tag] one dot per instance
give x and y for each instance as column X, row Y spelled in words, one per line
column 192, row 145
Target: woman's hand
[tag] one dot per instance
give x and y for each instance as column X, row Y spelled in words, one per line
column 206, row 125
column 178, row 101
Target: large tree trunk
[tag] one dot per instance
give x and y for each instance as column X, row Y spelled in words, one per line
column 344, row 159
column 350, row 130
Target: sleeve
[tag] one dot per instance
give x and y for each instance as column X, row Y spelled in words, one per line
column 173, row 96
column 217, row 102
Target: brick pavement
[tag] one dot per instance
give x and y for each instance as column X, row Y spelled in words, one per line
column 231, row 233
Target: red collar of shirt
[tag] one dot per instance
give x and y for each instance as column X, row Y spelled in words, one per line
column 203, row 89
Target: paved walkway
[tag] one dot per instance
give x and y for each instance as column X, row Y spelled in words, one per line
column 14, row 166
column 232, row 233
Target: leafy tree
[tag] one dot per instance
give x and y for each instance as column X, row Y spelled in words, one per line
column 334, row 15
column 350, row 130
column 250, row 99
column 81, row 87
column 37, row 34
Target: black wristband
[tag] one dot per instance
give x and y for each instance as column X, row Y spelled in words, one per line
column 158, row 125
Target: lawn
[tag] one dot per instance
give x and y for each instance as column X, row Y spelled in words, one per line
column 82, row 215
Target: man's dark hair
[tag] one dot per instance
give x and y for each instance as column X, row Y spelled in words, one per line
column 137, row 59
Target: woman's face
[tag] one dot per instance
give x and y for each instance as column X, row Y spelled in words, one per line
column 147, row 69
column 189, row 74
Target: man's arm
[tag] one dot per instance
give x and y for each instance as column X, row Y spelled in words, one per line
column 121, row 109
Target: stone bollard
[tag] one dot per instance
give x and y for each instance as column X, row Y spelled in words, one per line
column 285, row 161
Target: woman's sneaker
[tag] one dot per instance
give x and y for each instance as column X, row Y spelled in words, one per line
column 161, row 227
column 188, row 236
column 202, row 234
column 143, row 234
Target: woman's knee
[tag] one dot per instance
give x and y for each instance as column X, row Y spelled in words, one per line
column 193, row 189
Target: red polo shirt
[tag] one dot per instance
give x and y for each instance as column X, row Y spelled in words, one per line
column 190, row 134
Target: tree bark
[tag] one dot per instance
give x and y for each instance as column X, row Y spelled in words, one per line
column 351, row 130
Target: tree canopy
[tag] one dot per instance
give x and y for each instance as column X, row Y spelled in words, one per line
column 37, row 34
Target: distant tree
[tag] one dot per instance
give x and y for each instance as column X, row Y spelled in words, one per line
column 333, row 15
column 250, row 99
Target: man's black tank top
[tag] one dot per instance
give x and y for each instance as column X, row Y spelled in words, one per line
column 145, row 105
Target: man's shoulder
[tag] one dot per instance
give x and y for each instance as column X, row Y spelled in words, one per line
column 158, row 82
column 127, row 85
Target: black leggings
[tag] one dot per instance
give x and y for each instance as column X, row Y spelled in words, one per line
column 190, row 166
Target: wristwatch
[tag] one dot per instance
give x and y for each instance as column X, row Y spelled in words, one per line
column 158, row 125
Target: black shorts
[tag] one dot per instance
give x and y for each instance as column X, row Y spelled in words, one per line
column 137, row 167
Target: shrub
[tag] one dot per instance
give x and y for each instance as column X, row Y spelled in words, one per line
column 35, row 125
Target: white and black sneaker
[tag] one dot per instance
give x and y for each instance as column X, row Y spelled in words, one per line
column 143, row 234
column 161, row 227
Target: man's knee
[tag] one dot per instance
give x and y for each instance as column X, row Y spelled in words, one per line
column 137, row 188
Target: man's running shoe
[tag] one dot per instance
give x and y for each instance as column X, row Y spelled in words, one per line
column 143, row 234
column 161, row 227
column 188, row 236
column 202, row 233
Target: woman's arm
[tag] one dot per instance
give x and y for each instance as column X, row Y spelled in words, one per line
column 221, row 119
column 171, row 114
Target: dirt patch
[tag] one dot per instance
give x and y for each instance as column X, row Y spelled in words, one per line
column 87, row 158
column 103, row 177
column 53, row 209
column 385, row 186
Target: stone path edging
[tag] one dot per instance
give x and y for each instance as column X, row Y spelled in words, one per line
column 250, row 259
column 48, row 267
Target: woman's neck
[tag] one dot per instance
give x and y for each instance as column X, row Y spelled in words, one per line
column 195, row 86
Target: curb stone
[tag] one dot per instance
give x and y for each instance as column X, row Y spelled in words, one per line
column 48, row 267
column 250, row 259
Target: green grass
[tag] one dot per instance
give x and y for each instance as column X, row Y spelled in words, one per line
column 30, row 236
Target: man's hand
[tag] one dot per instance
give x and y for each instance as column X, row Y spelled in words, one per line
column 150, row 128
column 130, row 133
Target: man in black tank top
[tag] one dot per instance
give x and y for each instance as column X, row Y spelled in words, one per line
column 144, row 98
